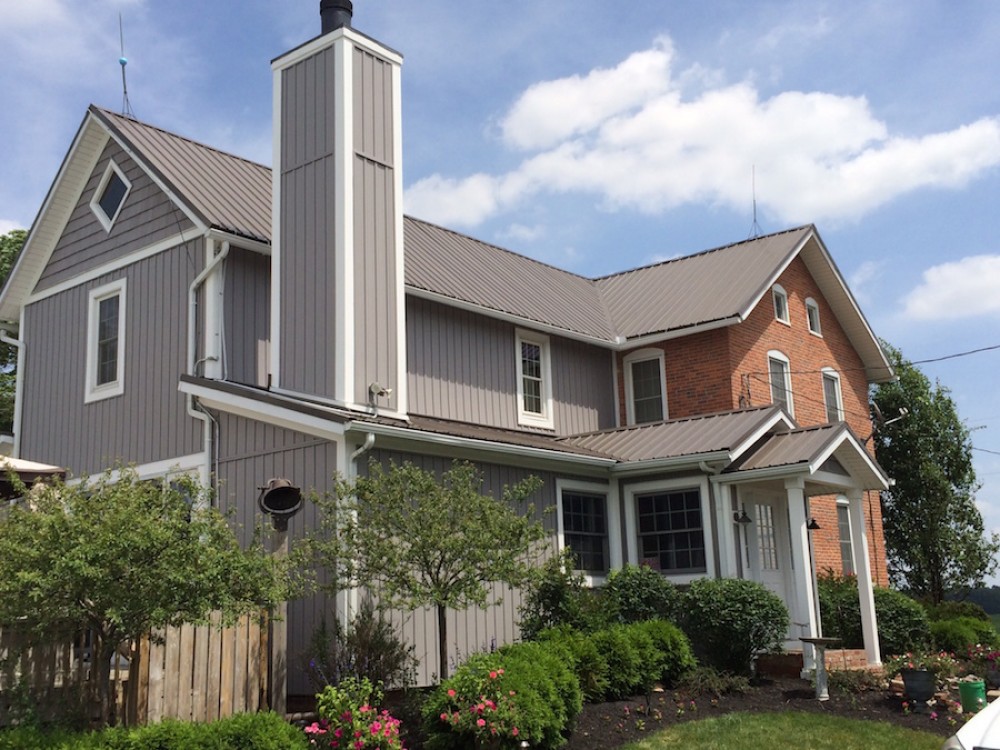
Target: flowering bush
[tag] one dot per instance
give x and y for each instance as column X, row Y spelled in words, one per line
column 942, row 663
column 982, row 657
column 476, row 707
column 350, row 720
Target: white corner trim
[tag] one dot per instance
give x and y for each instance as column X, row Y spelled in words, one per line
column 402, row 391
column 343, row 159
column 94, row 391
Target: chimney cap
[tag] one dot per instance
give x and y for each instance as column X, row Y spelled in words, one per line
column 335, row 14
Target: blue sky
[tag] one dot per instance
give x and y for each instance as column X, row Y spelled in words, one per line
column 599, row 136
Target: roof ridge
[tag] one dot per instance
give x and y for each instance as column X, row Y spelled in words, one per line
column 178, row 136
column 702, row 252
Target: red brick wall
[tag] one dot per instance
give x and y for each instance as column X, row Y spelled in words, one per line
column 728, row 368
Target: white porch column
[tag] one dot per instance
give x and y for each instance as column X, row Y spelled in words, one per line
column 727, row 531
column 863, row 568
column 802, row 577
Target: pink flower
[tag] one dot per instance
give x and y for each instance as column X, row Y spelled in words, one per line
column 514, row 732
column 451, row 693
column 493, row 675
column 480, row 722
column 444, row 717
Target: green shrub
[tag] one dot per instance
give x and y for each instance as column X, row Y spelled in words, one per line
column 705, row 680
column 558, row 596
column 951, row 610
column 650, row 658
column 369, row 648
column 589, row 664
column 673, row 649
column 625, row 673
column 635, row 593
column 959, row 634
column 902, row 623
column 526, row 691
column 730, row 620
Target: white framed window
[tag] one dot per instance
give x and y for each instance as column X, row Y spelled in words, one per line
column 812, row 317
column 534, row 379
column 832, row 396
column 669, row 527
column 844, row 534
column 780, row 373
column 780, row 299
column 645, row 386
column 110, row 195
column 588, row 525
column 105, row 342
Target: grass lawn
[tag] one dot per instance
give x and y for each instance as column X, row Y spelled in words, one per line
column 777, row 731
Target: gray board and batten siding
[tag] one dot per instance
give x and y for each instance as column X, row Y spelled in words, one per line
column 307, row 238
column 146, row 423
column 376, row 336
column 463, row 367
column 250, row 454
column 146, row 217
column 247, row 301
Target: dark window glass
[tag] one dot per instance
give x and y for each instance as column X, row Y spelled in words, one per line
column 831, row 393
column 647, row 391
column 812, row 312
column 585, row 529
column 846, row 551
column 531, row 377
column 779, row 382
column 671, row 534
column 107, row 340
column 113, row 195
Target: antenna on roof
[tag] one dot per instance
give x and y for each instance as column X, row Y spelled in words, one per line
column 123, row 61
column 755, row 230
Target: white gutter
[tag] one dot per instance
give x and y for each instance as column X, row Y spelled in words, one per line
column 193, row 409
column 700, row 461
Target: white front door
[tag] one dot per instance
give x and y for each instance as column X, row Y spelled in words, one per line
column 768, row 551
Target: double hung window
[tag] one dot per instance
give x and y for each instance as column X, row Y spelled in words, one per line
column 645, row 387
column 106, row 342
column 671, row 530
column 780, row 373
column 832, row 396
column 534, row 380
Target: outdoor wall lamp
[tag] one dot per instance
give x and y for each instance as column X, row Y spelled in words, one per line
column 742, row 517
column 813, row 525
column 280, row 500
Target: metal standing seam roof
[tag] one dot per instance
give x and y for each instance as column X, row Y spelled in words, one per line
column 229, row 193
column 714, row 433
column 234, row 195
column 795, row 447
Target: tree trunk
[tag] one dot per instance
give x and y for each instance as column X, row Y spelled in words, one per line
column 103, row 655
column 442, row 644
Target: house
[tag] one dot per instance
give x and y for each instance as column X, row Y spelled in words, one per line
column 183, row 309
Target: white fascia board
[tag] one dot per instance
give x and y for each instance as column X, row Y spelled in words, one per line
column 771, row 472
column 677, row 333
column 119, row 263
column 677, row 463
column 846, row 440
column 63, row 195
column 492, row 446
column 166, row 467
column 243, row 406
column 236, row 240
column 313, row 46
column 314, row 400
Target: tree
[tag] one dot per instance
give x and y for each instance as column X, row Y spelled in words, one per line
column 10, row 245
column 934, row 536
column 123, row 557
column 418, row 541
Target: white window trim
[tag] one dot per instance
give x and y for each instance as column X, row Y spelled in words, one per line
column 642, row 355
column 632, row 524
column 527, row 418
column 775, row 354
column 811, row 304
column 95, row 201
column 829, row 372
column 613, row 511
column 843, row 502
column 779, row 291
column 93, row 391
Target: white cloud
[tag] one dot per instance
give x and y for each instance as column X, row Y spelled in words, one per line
column 960, row 289
column 7, row 225
column 645, row 137
column 522, row 233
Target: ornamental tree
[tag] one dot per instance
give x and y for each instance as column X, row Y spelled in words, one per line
column 419, row 540
column 934, row 535
column 123, row 557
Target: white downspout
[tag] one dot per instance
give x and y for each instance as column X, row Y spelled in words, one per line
column 351, row 595
column 18, row 344
column 193, row 409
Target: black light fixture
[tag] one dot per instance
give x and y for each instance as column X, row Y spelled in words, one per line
column 280, row 500
column 742, row 517
column 813, row 525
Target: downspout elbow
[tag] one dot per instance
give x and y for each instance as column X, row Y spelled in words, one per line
column 365, row 447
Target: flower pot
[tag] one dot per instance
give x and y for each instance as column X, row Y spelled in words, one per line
column 919, row 684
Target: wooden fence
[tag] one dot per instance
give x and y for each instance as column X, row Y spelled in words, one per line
column 197, row 673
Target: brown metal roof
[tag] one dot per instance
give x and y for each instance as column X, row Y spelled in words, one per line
column 801, row 446
column 717, row 286
column 227, row 192
column 715, row 433
column 697, row 289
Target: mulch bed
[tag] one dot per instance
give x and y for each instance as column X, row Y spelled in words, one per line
column 609, row 725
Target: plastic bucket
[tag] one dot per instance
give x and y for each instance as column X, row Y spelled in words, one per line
column 973, row 695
